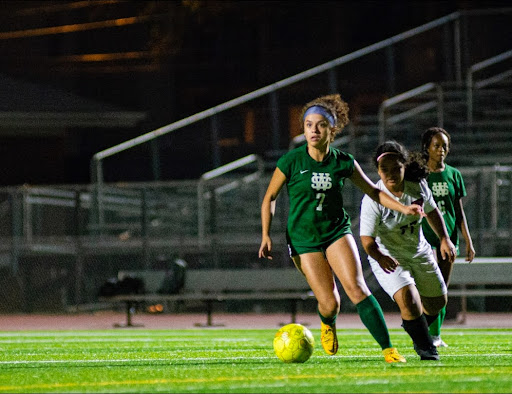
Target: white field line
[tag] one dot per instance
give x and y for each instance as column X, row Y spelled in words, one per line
column 207, row 359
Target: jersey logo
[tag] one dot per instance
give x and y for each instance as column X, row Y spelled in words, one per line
column 439, row 189
column 303, row 171
column 321, row 181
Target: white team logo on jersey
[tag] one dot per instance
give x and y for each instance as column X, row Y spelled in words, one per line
column 439, row 189
column 321, row 181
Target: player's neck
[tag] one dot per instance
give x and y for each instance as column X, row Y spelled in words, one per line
column 318, row 153
column 395, row 190
column 436, row 166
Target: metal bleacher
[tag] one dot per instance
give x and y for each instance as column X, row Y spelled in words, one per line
column 83, row 234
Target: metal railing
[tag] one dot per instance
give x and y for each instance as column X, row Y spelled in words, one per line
column 271, row 91
column 61, row 215
column 471, row 84
column 386, row 120
column 449, row 37
column 203, row 196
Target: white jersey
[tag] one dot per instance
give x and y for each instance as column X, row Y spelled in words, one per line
column 396, row 234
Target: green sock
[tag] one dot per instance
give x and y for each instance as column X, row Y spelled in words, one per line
column 372, row 317
column 330, row 321
column 435, row 327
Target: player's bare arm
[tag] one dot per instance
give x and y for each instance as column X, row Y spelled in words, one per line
column 464, row 228
column 447, row 248
column 268, row 208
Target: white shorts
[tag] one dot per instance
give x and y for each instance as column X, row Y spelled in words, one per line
column 424, row 273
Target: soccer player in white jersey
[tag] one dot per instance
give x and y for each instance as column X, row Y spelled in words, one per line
column 399, row 255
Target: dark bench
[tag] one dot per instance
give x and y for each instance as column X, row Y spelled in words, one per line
column 217, row 285
column 469, row 279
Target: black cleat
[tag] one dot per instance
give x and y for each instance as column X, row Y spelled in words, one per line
column 427, row 354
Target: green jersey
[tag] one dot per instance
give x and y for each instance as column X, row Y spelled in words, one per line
column 447, row 187
column 316, row 214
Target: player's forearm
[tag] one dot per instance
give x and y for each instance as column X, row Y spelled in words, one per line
column 436, row 222
column 386, row 200
column 465, row 233
column 462, row 223
column 267, row 213
column 370, row 247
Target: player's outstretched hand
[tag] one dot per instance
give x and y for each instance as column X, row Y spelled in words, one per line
column 414, row 209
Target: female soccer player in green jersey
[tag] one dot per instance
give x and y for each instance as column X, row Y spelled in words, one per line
column 399, row 255
column 318, row 232
column 448, row 189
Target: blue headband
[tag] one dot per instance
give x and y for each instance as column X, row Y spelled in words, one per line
column 317, row 109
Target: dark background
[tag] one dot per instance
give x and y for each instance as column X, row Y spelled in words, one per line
column 172, row 59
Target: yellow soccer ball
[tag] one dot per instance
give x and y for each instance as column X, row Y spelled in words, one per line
column 294, row 343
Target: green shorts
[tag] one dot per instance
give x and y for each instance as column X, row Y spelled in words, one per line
column 295, row 250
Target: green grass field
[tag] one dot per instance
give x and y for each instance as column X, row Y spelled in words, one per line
column 243, row 361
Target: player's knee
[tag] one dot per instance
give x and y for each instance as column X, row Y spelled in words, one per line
column 409, row 302
column 356, row 292
column 433, row 305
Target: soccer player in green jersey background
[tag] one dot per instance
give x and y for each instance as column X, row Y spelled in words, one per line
column 318, row 233
column 448, row 189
